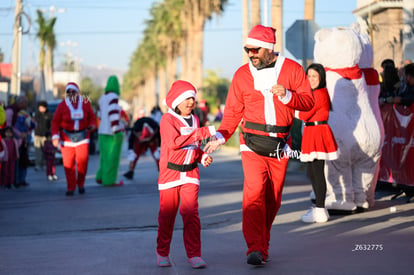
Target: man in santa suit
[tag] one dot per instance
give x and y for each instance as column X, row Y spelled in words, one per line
column 72, row 124
column 263, row 96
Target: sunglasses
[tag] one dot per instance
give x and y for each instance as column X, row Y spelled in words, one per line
column 252, row 50
column 70, row 91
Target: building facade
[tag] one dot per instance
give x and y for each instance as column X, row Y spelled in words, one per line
column 390, row 25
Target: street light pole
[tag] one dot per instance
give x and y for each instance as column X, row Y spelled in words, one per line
column 17, row 49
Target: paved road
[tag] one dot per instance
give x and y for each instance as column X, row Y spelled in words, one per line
column 112, row 230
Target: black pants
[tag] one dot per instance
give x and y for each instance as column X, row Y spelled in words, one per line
column 317, row 177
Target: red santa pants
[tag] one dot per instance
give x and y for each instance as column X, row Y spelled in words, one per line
column 75, row 158
column 140, row 148
column 264, row 178
column 169, row 203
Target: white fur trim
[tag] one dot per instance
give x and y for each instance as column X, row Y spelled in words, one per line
column 74, row 144
column 203, row 159
column 212, row 130
column 259, row 43
column 220, row 138
column 183, row 96
column 181, row 181
column 286, row 98
column 73, row 87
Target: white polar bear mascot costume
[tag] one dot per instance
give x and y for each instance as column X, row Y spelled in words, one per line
column 350, row 178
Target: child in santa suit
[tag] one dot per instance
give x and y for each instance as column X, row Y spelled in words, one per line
column 179, row 180
column 72, row 124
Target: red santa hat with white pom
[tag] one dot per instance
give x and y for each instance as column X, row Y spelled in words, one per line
column 180, row 91
column 261, row 36
column 72, row 86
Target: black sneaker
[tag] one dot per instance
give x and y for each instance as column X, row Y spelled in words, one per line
column 81, row 190
column 69, row 193
column 255, row 258
column 129, row 175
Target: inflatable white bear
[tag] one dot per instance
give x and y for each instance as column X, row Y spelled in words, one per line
column 351, row 178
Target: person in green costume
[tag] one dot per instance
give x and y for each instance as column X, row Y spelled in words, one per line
column 110, row 134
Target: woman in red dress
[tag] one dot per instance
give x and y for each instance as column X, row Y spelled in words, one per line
column 318, row 142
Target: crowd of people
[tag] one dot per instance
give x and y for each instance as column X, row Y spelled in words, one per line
column 397, row 84
column 263, row 97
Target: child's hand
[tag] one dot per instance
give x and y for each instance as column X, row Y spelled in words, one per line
column 207, row 161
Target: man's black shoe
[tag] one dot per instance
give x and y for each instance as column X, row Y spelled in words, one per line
column 255, row 258
column 129, row 175
column 81, row 190
column 69, row 193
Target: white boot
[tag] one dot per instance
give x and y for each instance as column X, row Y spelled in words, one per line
column 316, row 214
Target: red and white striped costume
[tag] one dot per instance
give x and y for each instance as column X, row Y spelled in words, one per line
column 74, row 117
column 318, row 141
column 250, row 99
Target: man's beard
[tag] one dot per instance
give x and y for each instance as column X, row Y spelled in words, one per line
column 263, row 62
column 72, row 98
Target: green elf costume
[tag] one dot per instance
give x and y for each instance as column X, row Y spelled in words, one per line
column 110, row 134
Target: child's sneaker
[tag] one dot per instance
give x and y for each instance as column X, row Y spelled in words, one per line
column 50, row 178
column 163, row 261
column 197, row 262
column 55, row 177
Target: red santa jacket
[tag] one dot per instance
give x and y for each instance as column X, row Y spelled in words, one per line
column 180, row 145
column 318, row 141
column 72, row 119
column 246, row 103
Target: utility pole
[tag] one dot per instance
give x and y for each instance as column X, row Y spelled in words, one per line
column 17, row 48
column 309, row 10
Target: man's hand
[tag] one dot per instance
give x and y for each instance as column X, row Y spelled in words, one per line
column 279, row 90
column 212, row 146
column 55, row 142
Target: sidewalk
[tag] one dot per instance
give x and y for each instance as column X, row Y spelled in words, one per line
column 112, row 230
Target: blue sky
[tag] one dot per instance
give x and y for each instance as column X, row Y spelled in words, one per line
column 106, row 33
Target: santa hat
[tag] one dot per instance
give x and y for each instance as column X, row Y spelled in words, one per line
column 72, row 86
column 261, row 36
column 180, row 91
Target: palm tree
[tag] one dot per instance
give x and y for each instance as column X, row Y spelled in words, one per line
column 194, row 15
column 256, row 15
column 47, row 39
column 174, row 34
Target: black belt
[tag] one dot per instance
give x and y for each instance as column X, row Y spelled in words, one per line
column 73, row 132
column 182, row 167
column 267, row 127
column 314, row 123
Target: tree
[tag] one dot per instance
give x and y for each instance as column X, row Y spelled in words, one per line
column 194, row 16
column 90, row 91
column 172, row 39
column 215, row 88
column 47, row 39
